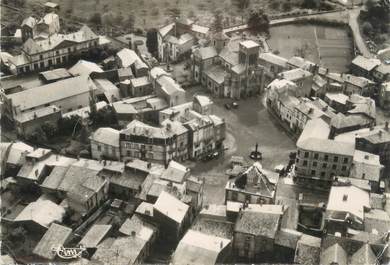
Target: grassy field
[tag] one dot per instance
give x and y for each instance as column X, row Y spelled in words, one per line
column 331, row 47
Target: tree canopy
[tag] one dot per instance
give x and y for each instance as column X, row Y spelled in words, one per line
column 258, row 22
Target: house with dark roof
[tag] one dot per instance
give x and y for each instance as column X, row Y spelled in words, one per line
column 255, row 231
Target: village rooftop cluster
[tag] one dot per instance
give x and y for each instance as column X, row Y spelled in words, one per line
column 124, row 188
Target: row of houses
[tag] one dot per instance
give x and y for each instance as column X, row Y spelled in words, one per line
column 167, row 200
column 185, row 131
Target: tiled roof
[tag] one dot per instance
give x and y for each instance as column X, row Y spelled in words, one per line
column 366, row 63
column 258, row 223
column 170, row 206
column 334, row 255
column 95, row 235
column 55, row 236
column 35, row 114
column 33, row 47
column 273, row 58
column 199, row 248
column 83, row 67
column 206, row 52
column 106, row 136
column 39, row 96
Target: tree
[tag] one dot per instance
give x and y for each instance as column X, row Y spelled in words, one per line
column 311, row 4
column 241, row 4
column 108, row 19
column 151, row 40
column 68, row 124
column 96, row 19
column 217, row 23
column 130, row 22
column 49, row 129
column 367, row 28
column 286, row 6
column 258, row 22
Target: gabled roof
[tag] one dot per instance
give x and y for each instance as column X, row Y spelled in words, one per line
column 30, row 21
column 347, row 199
column 367, row 64
column 258, row 223
column 37, row 113
column 166, row 29
column 334, row 255
column 52, row 92
column 43, row 212
column 128, row 57
column 55, row 236
column 34, row 47
column 273, row 58
column 95, row 235
column 169, row 85
column 175, row 172
column 106, row 136
column 171, row 207
column 83, row 67
column 363, row 256
column 199, row 248
column 206, row 52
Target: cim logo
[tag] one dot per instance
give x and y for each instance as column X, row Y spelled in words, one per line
column 69, row 253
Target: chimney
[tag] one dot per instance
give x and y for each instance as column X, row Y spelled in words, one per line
column 345, row 197
column 380, row 133
column 149, row 166
column 221, row 245
column 387, row 126
column 133, row 233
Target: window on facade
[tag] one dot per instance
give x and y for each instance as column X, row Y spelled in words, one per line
column 345, row 160
column 57, row 52
column 323, row 174
column 334, row 167
column 69, row 50
column 58, row 60
column 99, row 148
column 306, row 154
column 343, row 168
column 27, row 68
column 315, row 156
column 326, row 157
column 323, row 165
column 41, row 57
column 335, row 159
column 35, row 66
column 314, row 164
column 305, row 162
column 50, row 62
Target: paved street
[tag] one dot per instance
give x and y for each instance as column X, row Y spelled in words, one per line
column 250, row 123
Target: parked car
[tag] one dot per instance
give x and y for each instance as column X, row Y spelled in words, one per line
column 211, row 156
column 227, row 106
column 235, row 105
